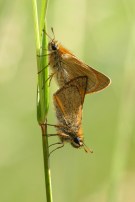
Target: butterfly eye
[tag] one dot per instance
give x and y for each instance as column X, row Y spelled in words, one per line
column 54, row 47
column 77, row 140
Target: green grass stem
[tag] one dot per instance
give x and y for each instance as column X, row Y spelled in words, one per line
column 43, row 88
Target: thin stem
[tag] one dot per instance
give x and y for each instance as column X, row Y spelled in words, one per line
column 43, row 14
column 36, row 26
column 43, row 89
column 46, row 164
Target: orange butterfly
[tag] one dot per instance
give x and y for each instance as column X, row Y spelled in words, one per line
column 66, row 66
column 68, row 102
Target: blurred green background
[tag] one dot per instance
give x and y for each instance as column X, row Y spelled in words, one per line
column 101, row 33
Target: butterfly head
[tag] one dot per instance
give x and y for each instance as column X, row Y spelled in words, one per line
column 77, row 142
column 53, row 45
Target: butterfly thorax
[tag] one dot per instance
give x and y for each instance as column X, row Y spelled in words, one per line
column 56, row 62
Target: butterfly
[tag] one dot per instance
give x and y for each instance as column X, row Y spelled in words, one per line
column 66, row 66
column 68, row 102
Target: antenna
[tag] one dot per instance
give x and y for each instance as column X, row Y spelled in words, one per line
column 86, row 148
column 53, row 33
column 47, row 35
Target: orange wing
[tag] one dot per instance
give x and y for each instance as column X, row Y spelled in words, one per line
column 68, row 102
column 74, row 67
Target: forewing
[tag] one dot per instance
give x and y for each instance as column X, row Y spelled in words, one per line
column 69, row 100
column 74, row 67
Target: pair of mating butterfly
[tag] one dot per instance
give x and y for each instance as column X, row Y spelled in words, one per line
column 75, row 79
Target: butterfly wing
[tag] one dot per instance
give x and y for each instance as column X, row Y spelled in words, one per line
column 68, row 102
column 74, row 67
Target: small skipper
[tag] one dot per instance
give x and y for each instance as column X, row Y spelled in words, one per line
column 66, row 66
column 68, row 102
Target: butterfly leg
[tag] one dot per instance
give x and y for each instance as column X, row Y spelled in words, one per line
column 52, row 125
column 43, row 68
column 55, row 144
column 43, row 54
column 62, row 145
column 49, row 78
